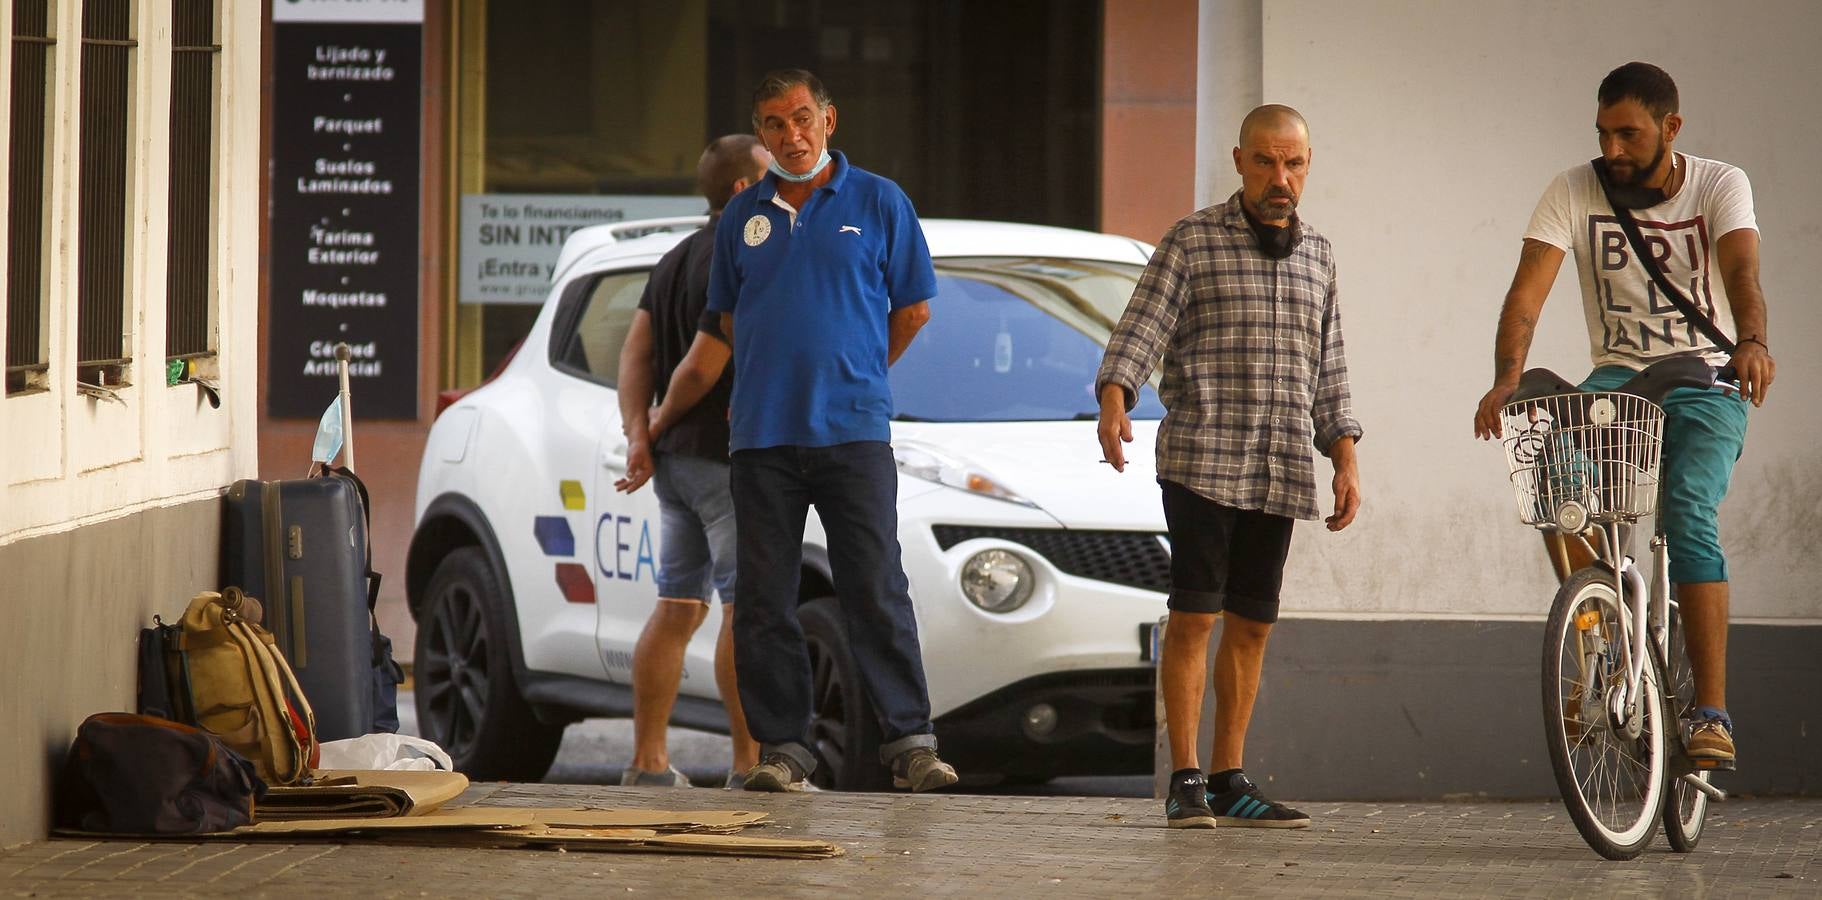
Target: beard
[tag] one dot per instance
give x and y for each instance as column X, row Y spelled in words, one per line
column 1641, row 173
column 1273, row 213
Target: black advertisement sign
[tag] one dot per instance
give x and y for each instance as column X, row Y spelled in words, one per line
column 346, row 103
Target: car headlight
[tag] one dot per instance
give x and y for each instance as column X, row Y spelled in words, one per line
column 998, row 581
column 930, row 464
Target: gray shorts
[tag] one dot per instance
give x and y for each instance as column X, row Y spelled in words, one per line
column 696, row 547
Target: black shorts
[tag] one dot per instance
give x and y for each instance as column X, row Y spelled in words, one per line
column 1222, row 558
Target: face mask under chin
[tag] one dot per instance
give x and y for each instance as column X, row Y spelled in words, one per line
column 822, row 162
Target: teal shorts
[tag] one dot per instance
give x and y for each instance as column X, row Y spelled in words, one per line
column 1704, row 432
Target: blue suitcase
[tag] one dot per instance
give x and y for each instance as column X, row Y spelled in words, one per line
column 301, row 547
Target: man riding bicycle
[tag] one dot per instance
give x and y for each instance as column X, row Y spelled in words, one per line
column 1696, row 218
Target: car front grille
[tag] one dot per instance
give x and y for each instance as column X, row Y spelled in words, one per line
column 1133, row 558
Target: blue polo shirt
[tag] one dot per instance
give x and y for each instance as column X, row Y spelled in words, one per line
column 810, row 300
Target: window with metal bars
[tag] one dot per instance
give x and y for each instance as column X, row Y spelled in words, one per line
column 33, row 43
column 101, row 314
column 189, row 288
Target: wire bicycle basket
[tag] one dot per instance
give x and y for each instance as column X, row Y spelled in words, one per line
column 1583, row 457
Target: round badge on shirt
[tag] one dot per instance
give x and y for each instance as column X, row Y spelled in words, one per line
column 758, row 229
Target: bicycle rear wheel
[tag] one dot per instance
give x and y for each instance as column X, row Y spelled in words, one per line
column 1610, row 763
column 1686, row 809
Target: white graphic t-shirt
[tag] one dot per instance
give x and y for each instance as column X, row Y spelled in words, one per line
column 1629, row 322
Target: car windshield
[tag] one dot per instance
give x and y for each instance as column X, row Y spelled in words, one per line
column 1015, row 340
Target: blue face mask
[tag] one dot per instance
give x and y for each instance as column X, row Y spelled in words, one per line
column 821, row 163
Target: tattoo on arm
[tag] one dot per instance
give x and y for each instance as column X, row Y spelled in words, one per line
column 1537, row 264
column 1533, row 252
column 1513, row 343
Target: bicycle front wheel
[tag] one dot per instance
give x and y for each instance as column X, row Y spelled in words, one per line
column 1686, row 810
column 1607, row 748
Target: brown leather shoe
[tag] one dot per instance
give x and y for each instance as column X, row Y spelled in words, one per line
column 1709, row 739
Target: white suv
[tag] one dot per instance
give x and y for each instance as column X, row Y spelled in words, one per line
column 1038, row 573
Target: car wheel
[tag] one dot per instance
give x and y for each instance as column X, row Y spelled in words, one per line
column 843, row 729
column 467, row 699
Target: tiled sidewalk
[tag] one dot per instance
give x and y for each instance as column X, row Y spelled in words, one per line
column 983, row 847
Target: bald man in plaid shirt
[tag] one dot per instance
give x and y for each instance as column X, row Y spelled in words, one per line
column 1239, row 302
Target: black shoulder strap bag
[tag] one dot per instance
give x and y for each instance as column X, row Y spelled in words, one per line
column 1689, row 310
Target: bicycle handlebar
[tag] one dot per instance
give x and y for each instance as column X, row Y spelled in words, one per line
column 1541, row 382
column 1654, row 383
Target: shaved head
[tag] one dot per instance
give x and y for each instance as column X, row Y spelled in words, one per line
column 1273, row 158
column 1273, row 117
column 729, row 159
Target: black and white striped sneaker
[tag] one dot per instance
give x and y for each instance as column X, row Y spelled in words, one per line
column 1244, row 805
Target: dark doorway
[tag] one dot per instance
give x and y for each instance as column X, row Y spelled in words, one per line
column 986, row 110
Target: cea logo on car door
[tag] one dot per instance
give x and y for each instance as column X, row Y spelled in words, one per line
column 622, row 550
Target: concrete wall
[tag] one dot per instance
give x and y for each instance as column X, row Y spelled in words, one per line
column 76, row 601
column 1229, row 83
column 1436, row 126
column 108, row 508
column 1407, row 664
column 1448, row 708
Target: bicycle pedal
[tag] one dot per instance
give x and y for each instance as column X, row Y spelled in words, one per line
column 1712, row 765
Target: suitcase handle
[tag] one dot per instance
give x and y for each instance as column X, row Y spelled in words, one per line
column 373, row 578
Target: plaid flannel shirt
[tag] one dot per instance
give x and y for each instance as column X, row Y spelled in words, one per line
column 1253, row 368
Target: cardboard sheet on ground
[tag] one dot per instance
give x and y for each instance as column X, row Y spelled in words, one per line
column 726, row 821
column 522, row 836
column 619, row 840
column 503, row 827
column 525, row 821
column 361, row 793
column 470, row 818
column 448, row 821
column 741, row 845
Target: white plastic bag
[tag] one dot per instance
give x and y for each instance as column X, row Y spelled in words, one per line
column 385, row 751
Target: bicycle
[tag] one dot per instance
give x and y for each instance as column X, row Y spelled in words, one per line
column 1581, row 463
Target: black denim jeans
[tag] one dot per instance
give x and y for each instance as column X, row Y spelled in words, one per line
column 854, row 488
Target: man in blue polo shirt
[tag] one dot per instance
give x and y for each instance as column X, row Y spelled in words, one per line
column 821, row 275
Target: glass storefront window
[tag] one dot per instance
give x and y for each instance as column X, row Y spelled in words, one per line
column 977, row 115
